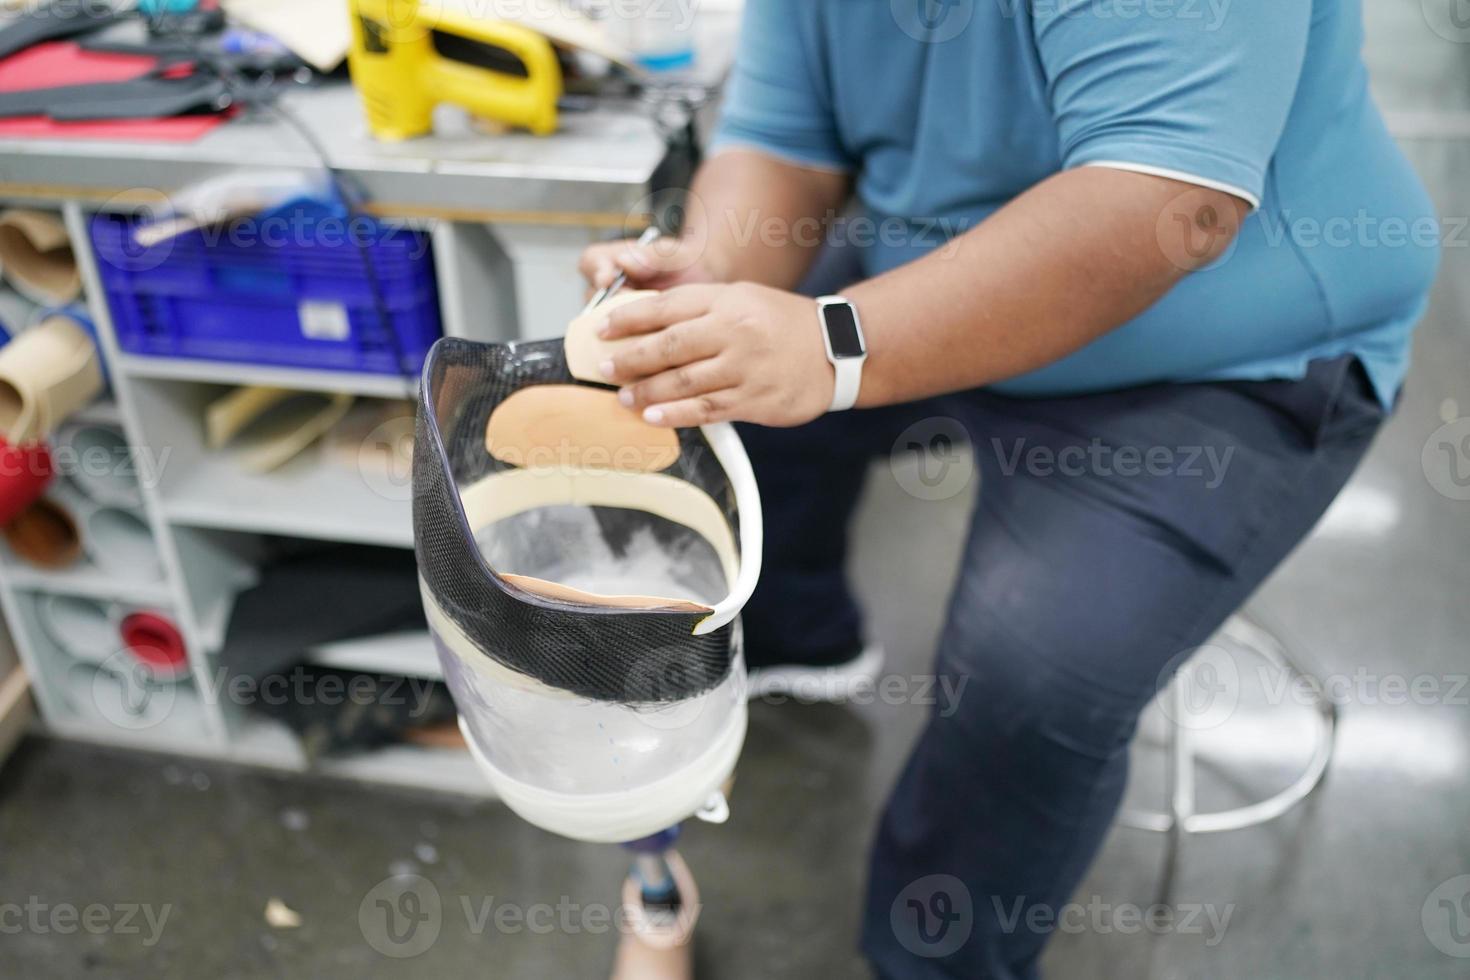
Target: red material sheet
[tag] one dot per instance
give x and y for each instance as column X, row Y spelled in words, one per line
column 64, row 63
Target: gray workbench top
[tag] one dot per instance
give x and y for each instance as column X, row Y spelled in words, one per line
column 591, row 171
column 599, row 160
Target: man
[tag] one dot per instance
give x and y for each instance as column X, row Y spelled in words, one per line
column 1179, row 233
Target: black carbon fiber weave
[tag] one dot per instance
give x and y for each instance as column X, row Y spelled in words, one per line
column 632, row 656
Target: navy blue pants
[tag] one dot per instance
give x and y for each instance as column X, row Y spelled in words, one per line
column 1113, row 534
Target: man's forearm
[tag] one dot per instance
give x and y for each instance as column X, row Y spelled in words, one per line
column 758, row 219
column 1077, row 255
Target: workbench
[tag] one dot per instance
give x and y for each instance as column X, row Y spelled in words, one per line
column 507, row 215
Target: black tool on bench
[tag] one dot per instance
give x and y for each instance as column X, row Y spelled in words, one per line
column 187, row 78
column 56, row 22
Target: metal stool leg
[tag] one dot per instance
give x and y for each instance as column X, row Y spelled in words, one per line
column 1181, row 818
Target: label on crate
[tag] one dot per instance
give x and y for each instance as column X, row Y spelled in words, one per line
column 323, row 320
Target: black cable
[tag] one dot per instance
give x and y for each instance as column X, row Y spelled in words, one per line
column 263, row 94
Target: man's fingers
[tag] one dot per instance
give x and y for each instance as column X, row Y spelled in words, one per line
column 597, row 266
column 685, row 381
column 656, row 312
column 672, row 347
column 714, row 406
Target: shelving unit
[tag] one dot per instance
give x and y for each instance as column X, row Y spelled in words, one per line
column 506, row 219
column 200, row 507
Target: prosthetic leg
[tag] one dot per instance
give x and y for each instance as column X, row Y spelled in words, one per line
column 660, row 909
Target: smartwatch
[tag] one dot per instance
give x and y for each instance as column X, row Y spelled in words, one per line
column 842, row 334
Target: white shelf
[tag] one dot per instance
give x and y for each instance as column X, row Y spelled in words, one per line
column 309, row 497
column 263, row 742
column 160, row 738
column 104, row 411
column 84, row 579
column 443, row 770
column 232, row 373
column 410, row 654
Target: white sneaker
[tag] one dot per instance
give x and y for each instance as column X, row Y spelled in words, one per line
column 812, row 683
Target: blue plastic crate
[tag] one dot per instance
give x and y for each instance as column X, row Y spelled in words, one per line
column 288, row 288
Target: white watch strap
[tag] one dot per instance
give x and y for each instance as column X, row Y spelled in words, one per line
column 849, row 379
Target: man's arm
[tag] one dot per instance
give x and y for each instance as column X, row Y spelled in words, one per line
column 749, row 216
column 1075, row 256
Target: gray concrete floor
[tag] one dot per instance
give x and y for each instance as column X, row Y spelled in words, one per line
column 1349, row 885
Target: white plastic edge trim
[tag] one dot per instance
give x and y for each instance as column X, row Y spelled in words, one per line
column 730, row 451
column 1180, row 175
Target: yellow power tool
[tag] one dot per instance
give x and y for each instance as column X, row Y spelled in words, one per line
column 407, row 57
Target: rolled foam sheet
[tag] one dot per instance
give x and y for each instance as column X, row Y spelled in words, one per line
column 37, row 258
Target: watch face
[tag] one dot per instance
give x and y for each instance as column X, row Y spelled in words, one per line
column 842, row 330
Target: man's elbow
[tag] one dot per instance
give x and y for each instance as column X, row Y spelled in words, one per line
column 1197, row 225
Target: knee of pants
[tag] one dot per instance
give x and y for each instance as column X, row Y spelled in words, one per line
column 992, row 688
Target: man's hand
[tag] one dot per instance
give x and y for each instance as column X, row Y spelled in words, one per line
column 716, row 353
column 661, row 264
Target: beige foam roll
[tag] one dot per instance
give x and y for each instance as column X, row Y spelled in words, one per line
column 37, row 257
column 46, row 374
column 584, row 349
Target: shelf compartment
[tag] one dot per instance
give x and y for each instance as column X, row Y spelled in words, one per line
column 84, row 579
column 264, row 742
column 305, row 379
column 410, row 654
column 308, row 497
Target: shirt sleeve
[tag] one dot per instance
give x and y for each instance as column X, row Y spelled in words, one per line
column 1197, row 92
column 778, row 100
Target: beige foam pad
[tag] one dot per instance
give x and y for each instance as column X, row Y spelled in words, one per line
column 565, row 593
column 574, row 427
column 584, row 349
column 37, row 257
column 269, row 427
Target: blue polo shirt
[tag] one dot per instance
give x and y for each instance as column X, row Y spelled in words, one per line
column 944, row 110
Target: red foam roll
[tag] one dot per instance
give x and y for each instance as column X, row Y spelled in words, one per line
column 156, row 642
column 25, row 472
